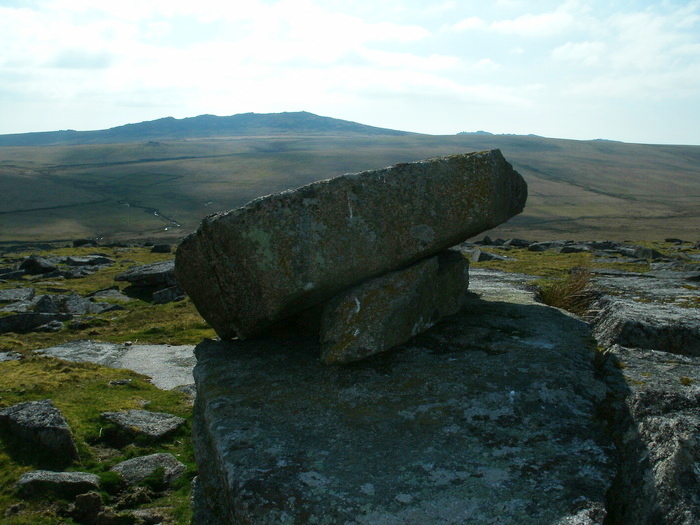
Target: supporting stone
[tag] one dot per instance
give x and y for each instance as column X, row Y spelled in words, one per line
column 249, row 268
column 388, row 310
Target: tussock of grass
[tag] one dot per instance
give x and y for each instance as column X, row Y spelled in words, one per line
column 573, row 293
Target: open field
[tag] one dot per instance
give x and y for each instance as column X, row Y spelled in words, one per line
column 162, row 189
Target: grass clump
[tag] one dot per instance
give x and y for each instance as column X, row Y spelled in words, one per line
column 573, row 293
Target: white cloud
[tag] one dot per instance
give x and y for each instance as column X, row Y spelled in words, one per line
column 468, row 24
column 586, row 53
column 542, row 25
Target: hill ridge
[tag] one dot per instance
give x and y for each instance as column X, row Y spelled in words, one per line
column 201, row 126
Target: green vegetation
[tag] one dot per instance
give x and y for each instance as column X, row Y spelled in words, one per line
column 82, row 391
column 573, row 292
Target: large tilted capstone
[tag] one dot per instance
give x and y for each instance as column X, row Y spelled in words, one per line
column 249, row 268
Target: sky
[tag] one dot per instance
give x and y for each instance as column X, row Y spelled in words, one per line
column 614, row 69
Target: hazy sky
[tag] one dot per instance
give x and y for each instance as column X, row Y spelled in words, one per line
column 616, row 69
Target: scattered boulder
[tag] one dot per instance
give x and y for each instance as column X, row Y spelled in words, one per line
column 388, row 310
column 65, row 484
column 152, row 425
column 136, row 470
column 9, row 356
column 111, row 294
column 50, row 327
column 36, row 265
column 17, row 294
column 40, row 422
column 161, row 248
column 26, row 322
column 86, row 508
column 89, row 260
column 249, row 268
column 160, row 274
column 78, row 243
column 168, row 295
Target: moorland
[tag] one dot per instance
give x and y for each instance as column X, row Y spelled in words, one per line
column 157, row 180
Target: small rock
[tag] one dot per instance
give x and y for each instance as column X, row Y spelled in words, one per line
column 16, row 294
column 86, row 507
column 136, row 470
column 51, row 326
column 154, row 425
column 168, row 295
column 84, row 242
column 66, row 484
column 89, row 260
column 155, row 274
column 36, row 265
column 26, row 322
column 161, row 248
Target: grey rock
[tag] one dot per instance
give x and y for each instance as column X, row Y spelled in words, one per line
column 647, row 325
column 161, row 248
column 66, row 484
column 155, row 274
column 9, row 356
column 51, row 326
column 26, row 322
column 13, row 275
column 517, row 243
column 40, row 422
column 476, row 255
column 153, row 425
column 89, row 260
column 168, row 295
column 249, row 268
column 16, row 294
column 111, row 294
column 654, row 407
column 136, row 470
column 488, row 417
column 86, row 507
column 671, row 274
column 36, row 265
column 641, row 252
column 574, row 248
column 45, row 304
column 77, row 243
column 388, row 310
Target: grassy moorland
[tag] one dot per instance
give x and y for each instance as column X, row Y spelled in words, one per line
column 163, row 188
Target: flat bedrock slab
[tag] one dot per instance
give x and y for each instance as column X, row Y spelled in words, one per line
column 248, row 268
column 168, row 366
column 388, row 310
column 488, row 417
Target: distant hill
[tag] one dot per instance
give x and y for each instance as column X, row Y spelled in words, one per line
column 203, row 126
column 150, row 180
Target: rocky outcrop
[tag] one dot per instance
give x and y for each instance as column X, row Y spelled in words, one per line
column 159, row 274
column 249, row 268
column 489, row 416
